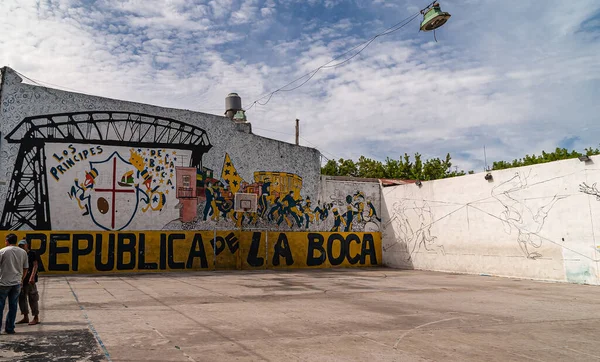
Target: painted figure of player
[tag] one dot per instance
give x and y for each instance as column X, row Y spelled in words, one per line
column 290, row 208
column 263, row 202
column 372, row 211
column 359, row 204
column 338, row 221
column 275, row 212
column 349, row 218
column 208, row 207
column 309, row 216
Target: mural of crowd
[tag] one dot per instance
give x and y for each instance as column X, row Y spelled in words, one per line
column 279, row 203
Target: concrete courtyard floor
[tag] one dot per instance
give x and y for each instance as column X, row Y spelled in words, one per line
column 317, row 315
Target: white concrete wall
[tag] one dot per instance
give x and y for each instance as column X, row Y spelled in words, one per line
column 538, row 222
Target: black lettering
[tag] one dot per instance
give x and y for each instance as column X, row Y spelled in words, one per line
column 85, row 154
column 163, row 252
column 99, row 148
column 55, row 250
column 343, row 250
column 76, row 158
column 355, row 259
column 315, row 243
column 41, row 250
column 73, row 150
column 110, row 261
column 93, row 151
column 61, row 169
column 282, row 249
column 142, row 265
column 66, row 166
column 172, row 263
column 78, row 251
column 253, row 258
column 126, row 248
column 57, row 157
column 368, row 248
column 70, row 162
column 54, row 173
column 197, row 251
column 218, row 244
column 232, row 242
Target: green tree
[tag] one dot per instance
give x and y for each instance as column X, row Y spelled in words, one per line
column 556, row 155
column 434, row 168
column 370, row 168
column 331, row 168
column 403, row 168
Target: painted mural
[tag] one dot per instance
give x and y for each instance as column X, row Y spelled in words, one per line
column 99, row 185
column 280, row 203
column 156, row 251
column 142, row 181
column 118, row 171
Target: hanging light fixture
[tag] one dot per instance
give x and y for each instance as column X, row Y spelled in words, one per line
column 433, row 17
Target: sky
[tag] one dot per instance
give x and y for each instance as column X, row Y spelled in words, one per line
column 517, row 77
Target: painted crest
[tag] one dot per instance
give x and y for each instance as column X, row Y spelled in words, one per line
column 114, row 200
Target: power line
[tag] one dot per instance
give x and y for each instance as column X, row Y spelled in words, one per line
column 320, row 149
column 39, row 83
column 317, row 147
column 327, row 65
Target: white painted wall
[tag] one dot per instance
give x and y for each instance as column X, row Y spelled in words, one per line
column 538, row 222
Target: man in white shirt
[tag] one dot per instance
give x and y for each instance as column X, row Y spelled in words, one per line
column 13, row 268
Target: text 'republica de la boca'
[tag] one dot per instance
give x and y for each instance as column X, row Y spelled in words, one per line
column 94, row 252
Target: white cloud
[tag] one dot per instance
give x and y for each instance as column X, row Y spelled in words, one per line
column 498, row 76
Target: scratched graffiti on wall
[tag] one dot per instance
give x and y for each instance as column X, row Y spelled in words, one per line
column 411, row 223
column 525, row 216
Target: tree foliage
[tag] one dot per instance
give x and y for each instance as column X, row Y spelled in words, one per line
column 405, row 168
column 558, row 154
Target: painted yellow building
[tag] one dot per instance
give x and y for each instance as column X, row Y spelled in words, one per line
column 281, row 182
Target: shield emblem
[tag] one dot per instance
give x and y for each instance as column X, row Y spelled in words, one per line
column 114, row 200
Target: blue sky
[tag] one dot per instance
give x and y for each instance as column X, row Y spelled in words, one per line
column 516, row 76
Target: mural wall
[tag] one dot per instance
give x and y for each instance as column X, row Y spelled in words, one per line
column 81, row 163
column 535, row 222
column 154, row 251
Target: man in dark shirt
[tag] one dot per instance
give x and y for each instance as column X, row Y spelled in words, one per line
column 29, row 290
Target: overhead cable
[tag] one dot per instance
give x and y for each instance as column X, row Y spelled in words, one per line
column 312, row 73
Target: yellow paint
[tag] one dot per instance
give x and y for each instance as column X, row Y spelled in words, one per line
column 87, row 252
column 281, row 182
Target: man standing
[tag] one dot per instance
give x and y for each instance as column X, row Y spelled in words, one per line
column 13, row 267
column 29, row 289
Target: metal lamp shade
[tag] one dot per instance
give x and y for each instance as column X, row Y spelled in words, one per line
column 434, row 18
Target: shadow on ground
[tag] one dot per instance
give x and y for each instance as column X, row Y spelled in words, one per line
column 69, row 345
